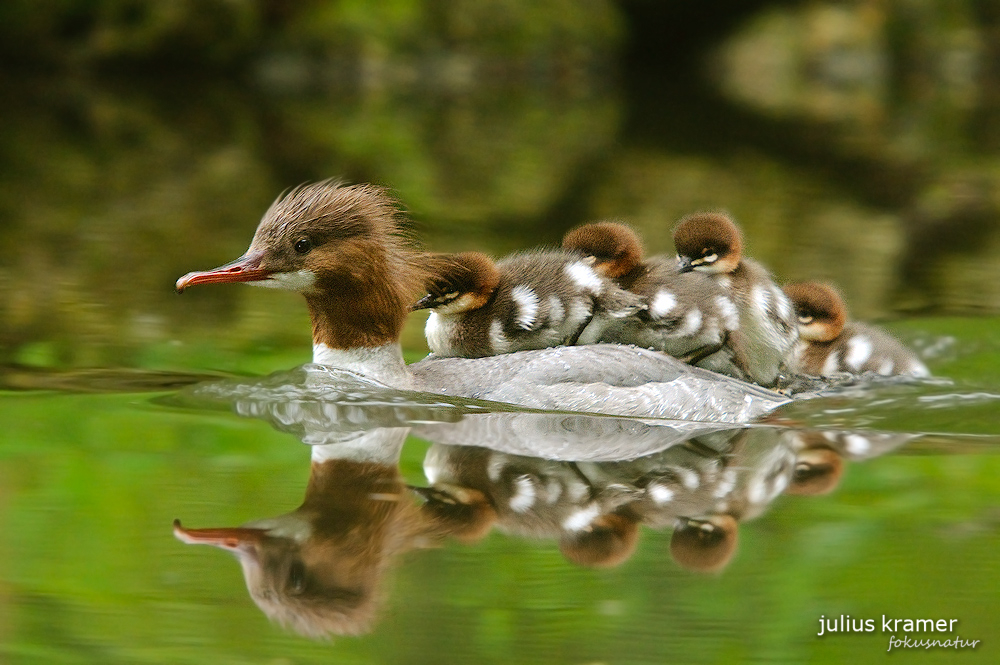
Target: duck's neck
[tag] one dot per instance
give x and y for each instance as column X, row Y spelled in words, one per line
column 356, row 322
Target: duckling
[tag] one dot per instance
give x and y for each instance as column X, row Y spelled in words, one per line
column 829, row 343
column 687, row 315
column 704, row 545
column 711, row 243
column 528, row 300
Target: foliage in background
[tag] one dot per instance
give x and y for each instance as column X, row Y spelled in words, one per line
column 226, row 35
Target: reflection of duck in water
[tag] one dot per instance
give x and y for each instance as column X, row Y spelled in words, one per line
column 339, row 246
column 687, row 315
column 704, row 488
column 830, row 344
column 712, row 243
column 318, row 569
column 701, row 489
column 528, row 300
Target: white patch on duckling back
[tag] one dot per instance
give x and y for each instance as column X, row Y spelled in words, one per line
column 857, row 444
column 299, row 281
column 556, row 309
column 785, row 309
column 581, row 519
column 662, row 304
column 761, row 299
column 691, row 323
column 527, row 306
column 660, row 493
column 859, row 350
column 730, row 315
column 498, row 340
column 584, row 277
column 525, row 494
column 831, row 365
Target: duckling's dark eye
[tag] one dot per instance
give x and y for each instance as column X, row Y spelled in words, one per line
column 302, row 245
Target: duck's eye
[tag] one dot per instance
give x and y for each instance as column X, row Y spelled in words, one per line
column 302, row 245
column 805, row 319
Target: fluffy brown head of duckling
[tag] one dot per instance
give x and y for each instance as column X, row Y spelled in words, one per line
column 460, row 283
column 616, row 248
column 708, row 242
column 609, row 541
column 817, row 471
column 705, row 545
column 461, row 512
column 820, row 310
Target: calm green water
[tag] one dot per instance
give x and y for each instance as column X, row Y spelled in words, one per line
column 92, row 572
column 839, row 167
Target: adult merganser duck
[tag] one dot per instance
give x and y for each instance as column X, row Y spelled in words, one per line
column 528, row 300
column 340, row 247
column 712, row 243
column 829, row 343
column 687, row 315
column 319, row 569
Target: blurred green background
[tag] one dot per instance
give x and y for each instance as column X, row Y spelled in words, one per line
column 857, row 142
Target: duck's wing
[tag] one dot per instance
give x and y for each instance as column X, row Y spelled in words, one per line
column 601, row 378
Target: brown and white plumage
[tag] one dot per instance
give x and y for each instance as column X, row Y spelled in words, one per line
column 687, row 315
column 528, row 300
column 830, row 344
column 341, row 248
column 711, row 243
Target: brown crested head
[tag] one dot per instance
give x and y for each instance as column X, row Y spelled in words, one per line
column 318, row 570
column 342, row 247
column 708, row 242
column 459, row 282
column 820, row 310
column 705, row 545
column 616, row 248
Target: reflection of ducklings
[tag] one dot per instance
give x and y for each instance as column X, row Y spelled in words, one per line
column 318, row 569
column 712, row 243
column 688, row 315
column 818, row 468
column 829, row 343
column 758, row 468
column 704, row 545
column 608, row 541
column 474, row 490
column 528, row 300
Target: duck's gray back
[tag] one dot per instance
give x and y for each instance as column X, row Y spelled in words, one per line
column 602, row 378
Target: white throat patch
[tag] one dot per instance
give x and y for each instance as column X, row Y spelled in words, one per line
column 299, row 281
